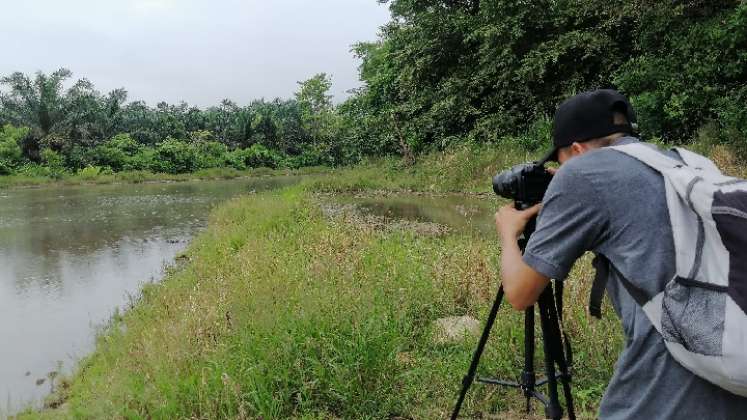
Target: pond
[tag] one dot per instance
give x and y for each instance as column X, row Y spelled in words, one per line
column 72, row 256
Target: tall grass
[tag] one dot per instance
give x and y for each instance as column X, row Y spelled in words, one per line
column 465, row 167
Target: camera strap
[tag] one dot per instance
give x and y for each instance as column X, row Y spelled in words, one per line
column 602, row 267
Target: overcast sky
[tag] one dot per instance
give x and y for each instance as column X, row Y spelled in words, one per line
column 199, row 51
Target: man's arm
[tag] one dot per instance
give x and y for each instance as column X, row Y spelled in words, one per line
column 522, row 285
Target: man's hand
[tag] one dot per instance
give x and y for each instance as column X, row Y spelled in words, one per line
column 521, row 283
column 510, row 222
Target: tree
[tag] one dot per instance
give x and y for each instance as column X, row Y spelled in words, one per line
column 37, row 104
column 318, row 118
column 10, row 148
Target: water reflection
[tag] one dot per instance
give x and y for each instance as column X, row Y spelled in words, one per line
column 70, row 256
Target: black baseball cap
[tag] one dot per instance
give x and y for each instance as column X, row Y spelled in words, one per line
column 587, row 116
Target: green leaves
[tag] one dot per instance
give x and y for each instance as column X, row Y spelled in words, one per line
column 485, row 70
column 10, row 149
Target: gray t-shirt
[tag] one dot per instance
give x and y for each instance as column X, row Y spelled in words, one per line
column 610, row 203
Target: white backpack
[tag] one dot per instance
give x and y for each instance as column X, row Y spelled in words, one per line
column 701, row 313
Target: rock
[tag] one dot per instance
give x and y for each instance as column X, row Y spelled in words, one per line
column 455, row 328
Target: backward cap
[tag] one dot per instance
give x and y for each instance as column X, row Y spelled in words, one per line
column 590, row 115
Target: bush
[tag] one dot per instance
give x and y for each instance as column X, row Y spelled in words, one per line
column 733, row 118
column 142, row 161
column 308, row 157
column 54, row 163
column 5, row 169
column 211, row 154
column 254, row 157
column 175, row 157
column 538, row 136
column 33, row 170
column 117, row 152
column 90, row 172
column 11, row 155
column 77, row 157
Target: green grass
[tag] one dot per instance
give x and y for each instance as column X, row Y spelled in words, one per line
column 463, row 168
column 278, row 311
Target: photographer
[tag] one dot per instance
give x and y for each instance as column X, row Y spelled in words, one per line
column 612, row 204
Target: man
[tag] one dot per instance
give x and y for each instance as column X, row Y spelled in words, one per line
column 603, row 201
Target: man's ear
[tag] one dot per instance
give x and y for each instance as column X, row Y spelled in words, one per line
column 578, row 148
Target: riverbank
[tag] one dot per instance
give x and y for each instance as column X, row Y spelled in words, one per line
column 281, row 309
column 138, row 177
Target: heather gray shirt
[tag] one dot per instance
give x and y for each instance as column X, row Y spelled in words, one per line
column 610, row 203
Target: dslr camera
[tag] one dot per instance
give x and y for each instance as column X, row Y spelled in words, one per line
column 525, row 184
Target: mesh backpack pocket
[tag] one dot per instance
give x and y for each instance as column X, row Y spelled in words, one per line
column 691, row 316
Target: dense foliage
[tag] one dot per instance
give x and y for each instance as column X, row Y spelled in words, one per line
column 441, row 72
column 446, row 69
column 80, row 128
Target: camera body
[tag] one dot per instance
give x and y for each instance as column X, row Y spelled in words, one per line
column 525, row 183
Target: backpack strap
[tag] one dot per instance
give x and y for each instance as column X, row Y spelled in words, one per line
column 697, row 161
column 650, row 156
column 602, row 267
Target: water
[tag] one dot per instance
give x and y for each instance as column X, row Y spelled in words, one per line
column 465, row 214
column 71, row 256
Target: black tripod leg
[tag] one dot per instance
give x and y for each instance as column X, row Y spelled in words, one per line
column 554, row 316
column 552, row 408
column 470, row 377
column 528, row 377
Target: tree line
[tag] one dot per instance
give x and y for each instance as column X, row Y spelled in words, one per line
column 441, row 72
column 48, row 129
column 446, row 70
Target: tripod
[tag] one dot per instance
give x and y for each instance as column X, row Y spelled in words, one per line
column 550, row 305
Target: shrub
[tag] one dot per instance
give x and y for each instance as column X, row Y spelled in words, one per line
column 141, row 161
column 11, row 155
column 733, row 117
column 33, row 170
column 254, row 157
column 175, row 157
column 308, row 157
column 54, row 163
column 538, row 136
column 77, row 157
column 90, row 172
column 211, row 154
column 117, row 152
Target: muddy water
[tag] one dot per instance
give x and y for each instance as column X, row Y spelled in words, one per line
column 71, row 256
column 466, row 214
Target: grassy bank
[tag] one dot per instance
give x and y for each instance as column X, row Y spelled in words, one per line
column 280, row 310
column 136, row 177
column 284, row 312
